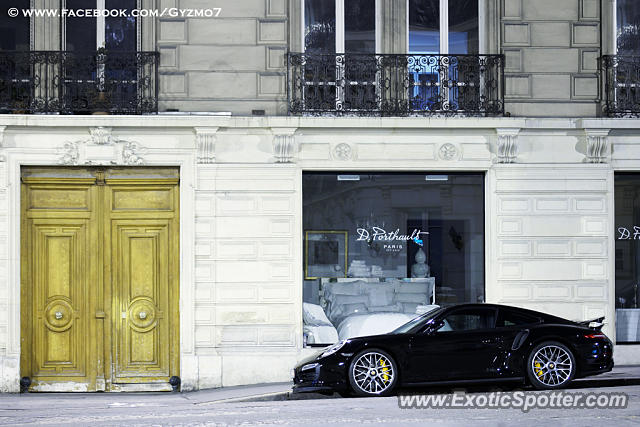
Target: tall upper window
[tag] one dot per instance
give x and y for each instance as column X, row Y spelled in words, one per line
column 116, row 34
column 339, row 26
column 627, row 27
column 443, row 26
column 14, row 32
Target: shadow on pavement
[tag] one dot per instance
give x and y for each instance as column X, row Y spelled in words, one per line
column 484, row 388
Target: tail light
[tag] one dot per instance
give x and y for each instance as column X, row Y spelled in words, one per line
column 595, row 336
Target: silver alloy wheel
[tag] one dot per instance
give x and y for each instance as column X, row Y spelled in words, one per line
column 373, row 373
column 551, row 365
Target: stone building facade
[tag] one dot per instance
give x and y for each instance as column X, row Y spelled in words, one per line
column 548, row 157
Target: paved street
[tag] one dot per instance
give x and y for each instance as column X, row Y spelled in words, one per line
column 193, row 409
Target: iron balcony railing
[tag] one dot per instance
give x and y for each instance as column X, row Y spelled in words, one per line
column 79, row 83
column 395, row 85
column 621, row 85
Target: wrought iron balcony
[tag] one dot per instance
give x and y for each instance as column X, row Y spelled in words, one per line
column 396, row 85
column 621, row 85
column 79, row 83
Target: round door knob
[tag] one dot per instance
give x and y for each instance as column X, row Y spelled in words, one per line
column 142, row 315
column 58, row 315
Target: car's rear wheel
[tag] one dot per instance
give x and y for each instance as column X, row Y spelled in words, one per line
column 551, row 365
column 373, row 372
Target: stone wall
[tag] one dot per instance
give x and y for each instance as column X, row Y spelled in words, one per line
column 234, row 63
column 551, row 49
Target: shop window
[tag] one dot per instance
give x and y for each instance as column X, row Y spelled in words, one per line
column 627, row 262
column 381, row 248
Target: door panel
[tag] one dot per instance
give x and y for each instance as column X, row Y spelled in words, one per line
column 143, row 229
column 100, row 271
column 57, row 233
column 444, row 356
column 60, row 298
column 141, row 268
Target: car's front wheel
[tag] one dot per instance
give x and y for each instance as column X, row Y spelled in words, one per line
column 551, row 365
column 373, row 372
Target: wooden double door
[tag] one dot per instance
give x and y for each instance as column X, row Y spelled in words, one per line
column 99, row 278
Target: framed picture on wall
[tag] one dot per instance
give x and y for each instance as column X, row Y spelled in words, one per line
column 325, row 254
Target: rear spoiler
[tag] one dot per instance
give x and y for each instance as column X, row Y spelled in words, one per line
column 596, row 323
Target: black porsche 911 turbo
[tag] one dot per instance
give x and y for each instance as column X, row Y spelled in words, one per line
column 462, row 344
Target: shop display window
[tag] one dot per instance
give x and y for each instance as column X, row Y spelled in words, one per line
column 381, row 248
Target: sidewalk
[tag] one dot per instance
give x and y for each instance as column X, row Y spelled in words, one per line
column 620, row 376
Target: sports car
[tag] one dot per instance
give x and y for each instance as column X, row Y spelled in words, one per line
column 461, row 344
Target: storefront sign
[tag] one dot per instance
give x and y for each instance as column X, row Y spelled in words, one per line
column 626, row 234
column 380, row 234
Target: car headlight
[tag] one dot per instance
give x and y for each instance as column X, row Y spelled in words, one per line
column 334, row 348
column 309, row 366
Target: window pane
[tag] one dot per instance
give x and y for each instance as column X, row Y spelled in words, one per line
column 508, row 318
column 424, row 26
column 467, row 320
column 628, row 27
column 463, row 27
column 121, row 33
column 14, row 32
column 388, row 246
column 320, row 26
column 627, row 259
column 81, row 32
column 360, row 26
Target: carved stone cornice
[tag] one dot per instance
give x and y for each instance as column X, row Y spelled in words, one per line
column 507, row 146
column 206, row 144
column 285, row 146
column 102, row 136
column 101, row 147
column 598, row 146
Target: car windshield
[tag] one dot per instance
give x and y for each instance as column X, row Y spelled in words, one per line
column 417, row 322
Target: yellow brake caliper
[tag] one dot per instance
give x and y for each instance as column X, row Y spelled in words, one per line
column 385, row 370
column 538, row 369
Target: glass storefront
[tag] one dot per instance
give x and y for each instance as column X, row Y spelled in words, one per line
column 380, row 248
column 627, row 223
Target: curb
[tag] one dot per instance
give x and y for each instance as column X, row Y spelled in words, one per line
column 605, row 382
column 266, row 397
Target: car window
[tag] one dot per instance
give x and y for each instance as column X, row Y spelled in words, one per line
column 468, row 320
column 508, row 318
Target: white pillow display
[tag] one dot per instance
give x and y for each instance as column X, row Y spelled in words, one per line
column 379, row 293
column 344, row 288
column 414, row 288
column 393, row 308
column 408, row 297
column 313, row 315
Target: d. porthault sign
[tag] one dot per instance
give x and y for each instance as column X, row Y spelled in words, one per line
column 392, row 240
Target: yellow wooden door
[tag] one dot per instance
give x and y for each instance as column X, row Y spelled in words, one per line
column 58, row 301
column 100, row 269
column 143, row 229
